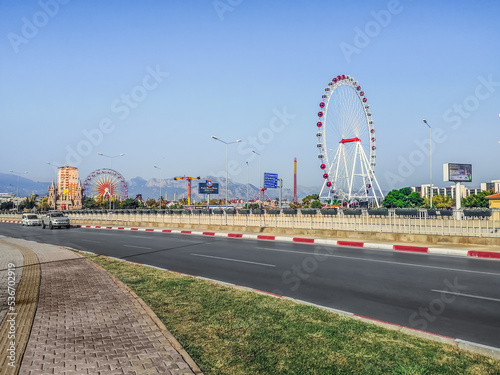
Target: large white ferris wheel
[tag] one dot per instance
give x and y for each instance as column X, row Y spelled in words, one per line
column 346, row 143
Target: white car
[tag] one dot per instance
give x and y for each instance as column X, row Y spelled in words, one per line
column 30, row 220
column 55, row 220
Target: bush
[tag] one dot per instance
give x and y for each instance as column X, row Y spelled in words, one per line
column 407, row 212
column 308, row 212
column 378, row 212
column 290, row 211
column 329, row 211
column 352, row 212
column 273, row 212
column 477, row 213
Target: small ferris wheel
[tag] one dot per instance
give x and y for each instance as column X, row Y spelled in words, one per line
column 106, row 183
column 348, row 166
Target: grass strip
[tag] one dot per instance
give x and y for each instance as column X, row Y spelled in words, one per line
column 231, row 331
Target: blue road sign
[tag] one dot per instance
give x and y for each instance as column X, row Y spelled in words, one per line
column 271, row 180
column 208, row 188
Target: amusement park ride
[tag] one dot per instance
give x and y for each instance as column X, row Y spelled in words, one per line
column 188, row 179
column 107, row 184
column 346, row 118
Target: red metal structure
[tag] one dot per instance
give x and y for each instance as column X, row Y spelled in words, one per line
column 188, row 179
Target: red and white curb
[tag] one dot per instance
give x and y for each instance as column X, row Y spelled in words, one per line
column 320, row 241
column 463, row 344
column 10, row 221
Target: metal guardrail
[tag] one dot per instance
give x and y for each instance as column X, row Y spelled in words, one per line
column 415, row 221
column 475, row 223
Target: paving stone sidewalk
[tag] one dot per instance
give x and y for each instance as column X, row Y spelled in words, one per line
column 88, row 323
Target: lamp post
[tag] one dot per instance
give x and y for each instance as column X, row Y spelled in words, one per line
column 110, row 157
column 55, row 168
column 17, row 194
column 430, row 157
column 160, row 185
column 260, row 176
column 247, row 184
column 227, row 144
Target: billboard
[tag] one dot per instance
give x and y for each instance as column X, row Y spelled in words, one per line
column 208, row 187
column 455, row 172
column 271, row 180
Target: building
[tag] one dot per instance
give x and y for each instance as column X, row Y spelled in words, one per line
column 449, row 191
column 7, row 197
column 494, row 186
column 68, row 193
column 494, row 203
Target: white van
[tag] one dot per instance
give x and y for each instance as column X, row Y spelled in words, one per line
column 30, row 219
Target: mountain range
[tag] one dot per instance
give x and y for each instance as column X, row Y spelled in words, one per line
column 10, row 183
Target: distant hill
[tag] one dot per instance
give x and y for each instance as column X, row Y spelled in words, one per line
column 27, row 187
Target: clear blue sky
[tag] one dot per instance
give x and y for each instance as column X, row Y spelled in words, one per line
column 201, row 68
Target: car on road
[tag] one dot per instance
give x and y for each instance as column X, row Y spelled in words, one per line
column 55, row 220
column 30, row 219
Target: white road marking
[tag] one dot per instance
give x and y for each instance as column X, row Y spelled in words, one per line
column 234, row 260
column 465, row 295
column 139, row 247
column 144, row 237
column 91, row 241
column 382, row 261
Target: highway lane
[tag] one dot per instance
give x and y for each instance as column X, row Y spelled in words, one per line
column 452, row 296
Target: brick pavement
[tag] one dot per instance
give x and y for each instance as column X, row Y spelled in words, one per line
column 9, row 254
column 89, row 323
column 16, row 326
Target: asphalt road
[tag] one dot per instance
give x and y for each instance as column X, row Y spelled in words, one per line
column 452, row 296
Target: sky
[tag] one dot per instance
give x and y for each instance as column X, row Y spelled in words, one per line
column 156, row 79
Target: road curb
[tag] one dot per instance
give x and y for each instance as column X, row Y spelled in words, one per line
column 317, row 241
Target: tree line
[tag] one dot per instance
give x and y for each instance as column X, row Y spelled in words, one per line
column 406, row 198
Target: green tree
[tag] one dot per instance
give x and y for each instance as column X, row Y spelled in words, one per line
column 316, row 204
column 306, row 201
column 394, row 199
column 402, row 198
column 440, row 201
column 150, row 203
column 129, row 203
column 89, row 202
column 43, row 204
column 477, row 200
column 7, row 205
column 415, row 200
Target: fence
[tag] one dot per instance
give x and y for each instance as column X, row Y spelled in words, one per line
column 474, row 223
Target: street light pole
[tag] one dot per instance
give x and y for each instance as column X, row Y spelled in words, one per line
column 260, row 176
column 160, row 185
column 17, row 194
column 111, row 167
column 227, row 173
column 430, row 157
column 247, row 184
column 110, row 158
